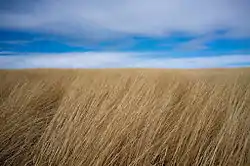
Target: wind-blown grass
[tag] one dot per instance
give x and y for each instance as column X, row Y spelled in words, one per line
column 125, row 117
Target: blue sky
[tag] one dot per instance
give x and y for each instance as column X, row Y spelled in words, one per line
column 124, row 33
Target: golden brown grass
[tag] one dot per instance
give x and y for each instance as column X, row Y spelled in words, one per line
column 125, row 117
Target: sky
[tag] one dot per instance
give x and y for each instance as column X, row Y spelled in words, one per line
column 124, row 33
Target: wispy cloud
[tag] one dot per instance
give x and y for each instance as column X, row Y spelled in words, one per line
column 100, row 19
column 198, row 43
column 15, row 42
column 5, row 53
column 119, row 60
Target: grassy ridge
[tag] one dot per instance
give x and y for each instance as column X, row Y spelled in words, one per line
column 125, row 117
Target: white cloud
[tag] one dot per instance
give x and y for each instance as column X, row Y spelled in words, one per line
column 198, row 62
column 67, row 60
column 105, row 18
column 118, row 60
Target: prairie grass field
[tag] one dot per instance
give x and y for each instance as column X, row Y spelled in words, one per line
column 125, row 117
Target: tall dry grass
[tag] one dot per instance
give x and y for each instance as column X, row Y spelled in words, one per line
column 125, row 117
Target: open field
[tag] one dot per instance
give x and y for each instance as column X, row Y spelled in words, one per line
column 124, row 117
